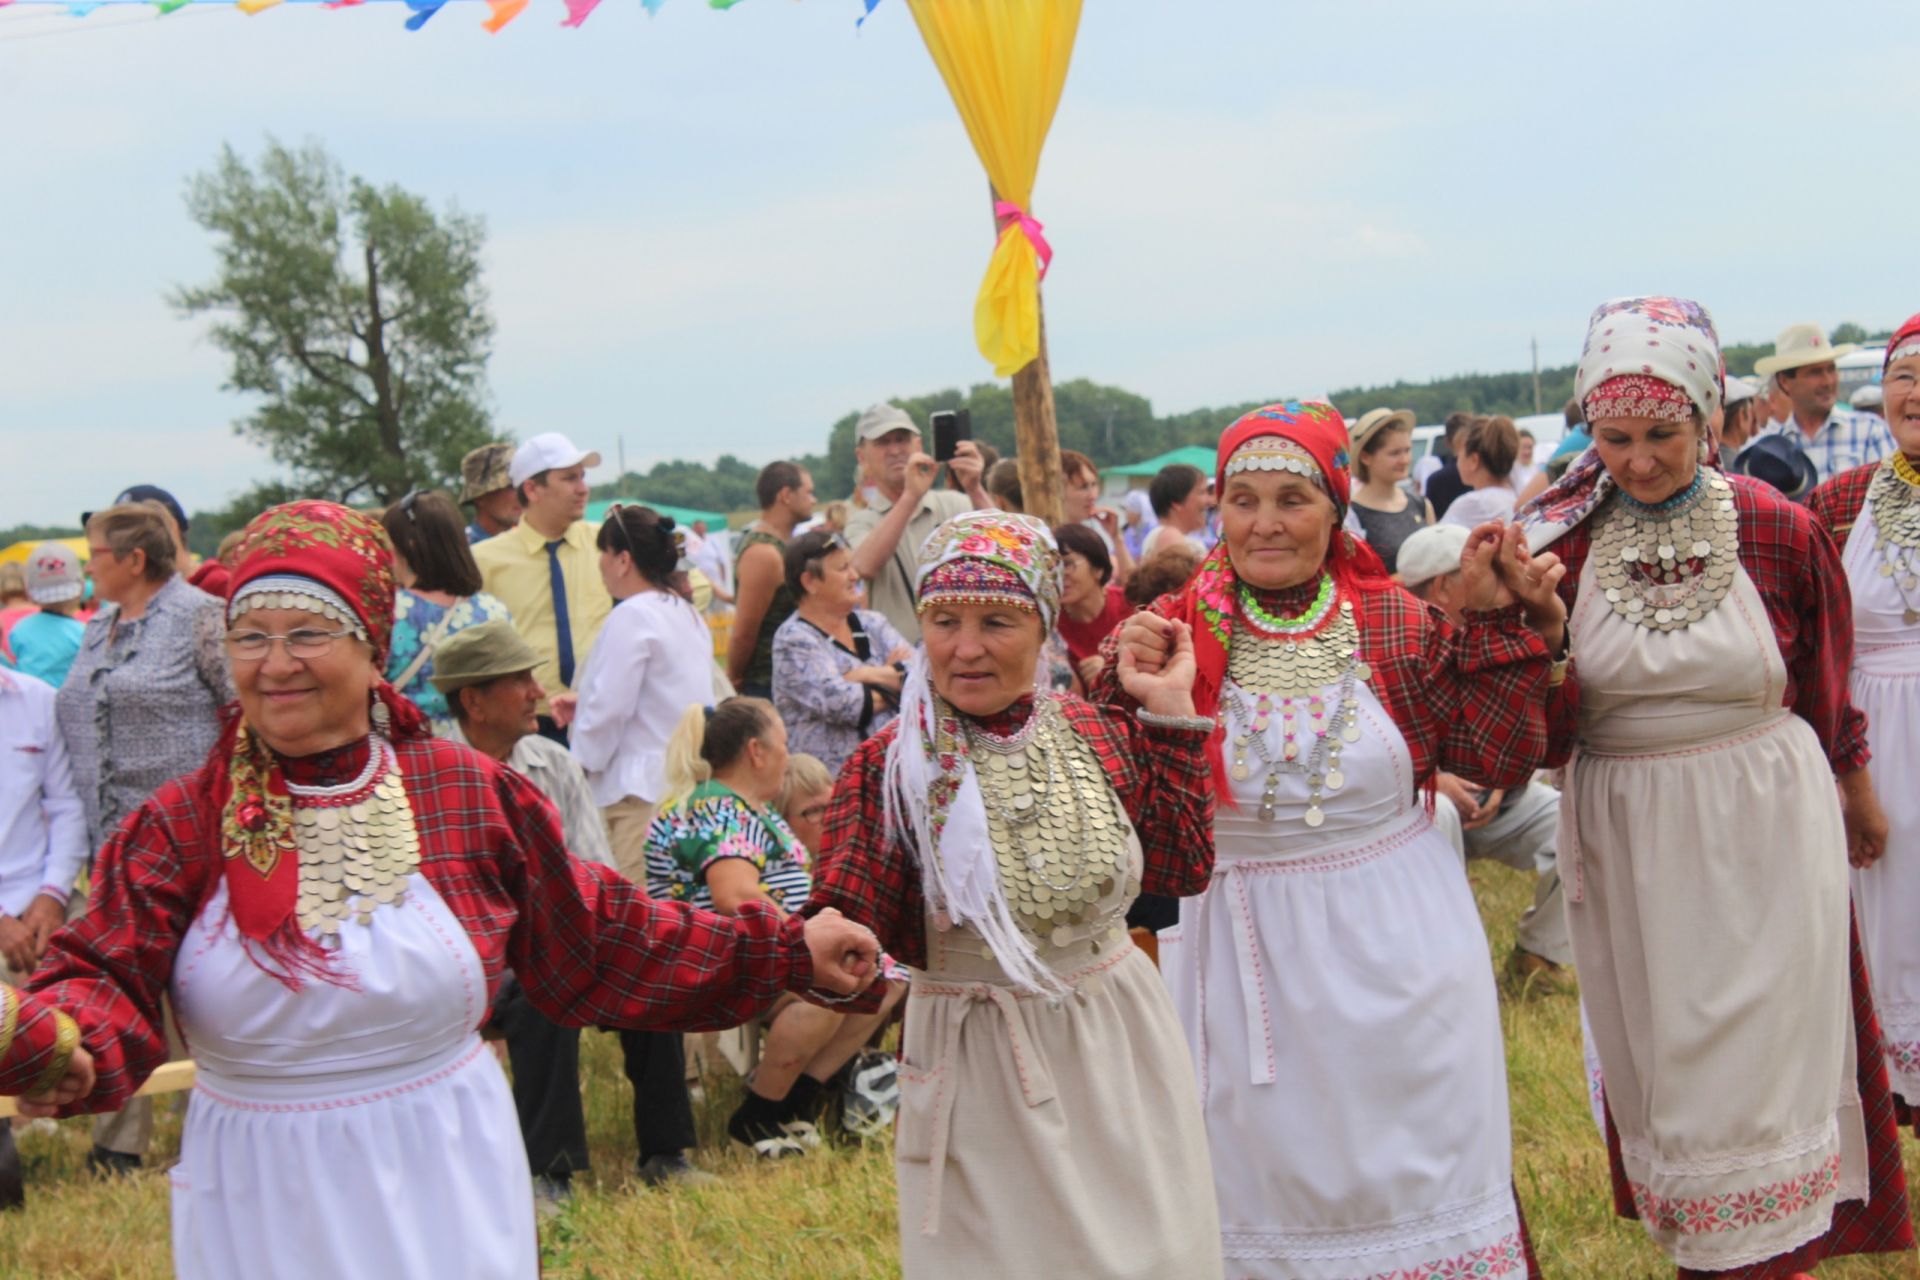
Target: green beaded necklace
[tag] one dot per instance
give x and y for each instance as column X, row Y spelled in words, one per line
column 1314, row 617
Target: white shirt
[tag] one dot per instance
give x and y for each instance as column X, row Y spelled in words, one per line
column 557, row 776
column 1477, row 506
column 653, row 660
column 709, row 555
column 43, row 828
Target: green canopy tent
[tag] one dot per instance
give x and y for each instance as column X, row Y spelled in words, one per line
column 1135, row 475
column 682, row 516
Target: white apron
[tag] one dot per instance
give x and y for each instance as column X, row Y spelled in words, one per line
column 1706, row 874
column 1886, row 896
column 1336, row 989
column 1050, row 1139
column 347, row 1133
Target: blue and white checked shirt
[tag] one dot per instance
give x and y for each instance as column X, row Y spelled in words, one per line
column 1845, row 441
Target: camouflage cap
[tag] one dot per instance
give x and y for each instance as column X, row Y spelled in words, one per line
column 484, row 471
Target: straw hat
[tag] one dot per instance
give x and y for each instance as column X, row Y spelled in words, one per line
column 1374, row 421
column 1798, row 346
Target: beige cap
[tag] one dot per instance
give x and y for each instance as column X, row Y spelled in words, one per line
column 479, row 654
column 1800, row 345
column 881, row 419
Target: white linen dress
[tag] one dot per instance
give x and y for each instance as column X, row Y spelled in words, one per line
column 1885, row 684
column 1706, row 878
column 1337, row 992
column 342, row 1132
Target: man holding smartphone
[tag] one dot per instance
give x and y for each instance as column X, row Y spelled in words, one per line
column 896, row 507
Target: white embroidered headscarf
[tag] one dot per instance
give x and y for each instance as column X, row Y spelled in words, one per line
column 1643, row 357
column 933, row 802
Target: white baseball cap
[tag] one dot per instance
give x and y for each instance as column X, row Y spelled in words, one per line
column 1740, row 390
column 548, row 451
column 1427, row 553
column 882, row 419
column 1867, row 397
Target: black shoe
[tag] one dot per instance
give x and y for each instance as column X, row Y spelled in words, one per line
column 111, row 1164
column 13, row 1187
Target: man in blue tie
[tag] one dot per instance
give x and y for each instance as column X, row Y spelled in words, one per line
column 546, row 569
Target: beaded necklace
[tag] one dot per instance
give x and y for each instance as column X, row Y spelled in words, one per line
column 1895, row 497
column 1664, row 565
column 1286, row 664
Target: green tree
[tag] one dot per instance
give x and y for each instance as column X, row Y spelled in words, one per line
column 355, row 314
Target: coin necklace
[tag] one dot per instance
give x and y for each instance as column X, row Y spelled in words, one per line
column 1669, row 564
column 358, row 846
column 1894, row 494
column 1057, row 834
column 1287, row 663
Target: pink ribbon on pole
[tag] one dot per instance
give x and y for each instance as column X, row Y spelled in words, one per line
column 1030, row 227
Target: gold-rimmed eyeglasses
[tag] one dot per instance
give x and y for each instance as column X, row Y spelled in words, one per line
column 307, row 642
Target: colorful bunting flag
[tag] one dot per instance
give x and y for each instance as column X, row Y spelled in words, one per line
column 500, row 12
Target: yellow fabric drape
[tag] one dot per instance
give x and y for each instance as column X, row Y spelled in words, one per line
column 1005, row 62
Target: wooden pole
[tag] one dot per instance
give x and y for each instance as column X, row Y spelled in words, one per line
column 1036, row 436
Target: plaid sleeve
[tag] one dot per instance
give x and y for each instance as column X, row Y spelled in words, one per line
column 862, row 873
column 1165, row 784
column 591, row 949
column 1837, row 504
column 109, row 969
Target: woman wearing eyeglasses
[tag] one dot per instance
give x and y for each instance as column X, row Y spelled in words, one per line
column 834, row 678
column 140, row 704
column 439, row 596
column 328, row 903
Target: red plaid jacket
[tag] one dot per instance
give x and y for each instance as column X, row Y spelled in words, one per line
column 1471, row 700
column 588, row 946
column 1160, row 776
column 1796, row 568
column 1838, row 503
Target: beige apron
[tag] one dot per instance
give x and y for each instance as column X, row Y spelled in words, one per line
column 1706, row 873
column 1051, row 1138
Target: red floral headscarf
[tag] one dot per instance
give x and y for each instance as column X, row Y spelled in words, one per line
column 307, row 550
column 1208, row 603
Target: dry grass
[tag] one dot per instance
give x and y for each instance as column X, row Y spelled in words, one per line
column 830, row 1217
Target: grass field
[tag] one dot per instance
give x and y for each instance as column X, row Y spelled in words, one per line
column 830, row 1216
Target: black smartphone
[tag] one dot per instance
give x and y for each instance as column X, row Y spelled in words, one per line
column 950, row 427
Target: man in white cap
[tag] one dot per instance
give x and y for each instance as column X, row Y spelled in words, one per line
column 1516, row 827
column 896, row 508
column 45, row 644
column 1835, row 440
column 546, row 569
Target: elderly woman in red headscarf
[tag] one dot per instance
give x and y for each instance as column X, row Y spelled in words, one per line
column 1703, row 838
column 1333, row 979
column 330, row 903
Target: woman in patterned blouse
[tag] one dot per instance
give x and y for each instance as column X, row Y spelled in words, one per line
column 834, row 674
column 720, row 842
column 140, row 705
column 329, row 904
column 439, row 596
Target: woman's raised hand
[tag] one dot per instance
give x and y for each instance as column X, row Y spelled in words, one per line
column 1480, row 565
column 75, row 1084
column 1149, row 638
column 1165, row 688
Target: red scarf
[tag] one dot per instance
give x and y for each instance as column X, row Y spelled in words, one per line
column 347, row 552
column 1209, row 604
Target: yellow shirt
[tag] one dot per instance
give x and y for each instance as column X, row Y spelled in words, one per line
column 515, row 568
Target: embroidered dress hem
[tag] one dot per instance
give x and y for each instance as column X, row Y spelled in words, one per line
column 1483, row 1234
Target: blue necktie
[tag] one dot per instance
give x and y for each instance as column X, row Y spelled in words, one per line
column 562, row 627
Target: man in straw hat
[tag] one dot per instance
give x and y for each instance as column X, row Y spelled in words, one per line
column 1803, row 369
column 484, row 482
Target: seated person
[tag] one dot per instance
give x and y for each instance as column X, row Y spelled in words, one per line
column 718, row 842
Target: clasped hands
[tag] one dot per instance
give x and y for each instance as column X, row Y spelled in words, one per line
column 1497, row 569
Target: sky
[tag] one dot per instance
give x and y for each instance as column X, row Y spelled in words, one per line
column 718, row 232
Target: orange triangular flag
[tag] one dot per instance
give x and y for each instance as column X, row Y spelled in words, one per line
column 504, row 11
